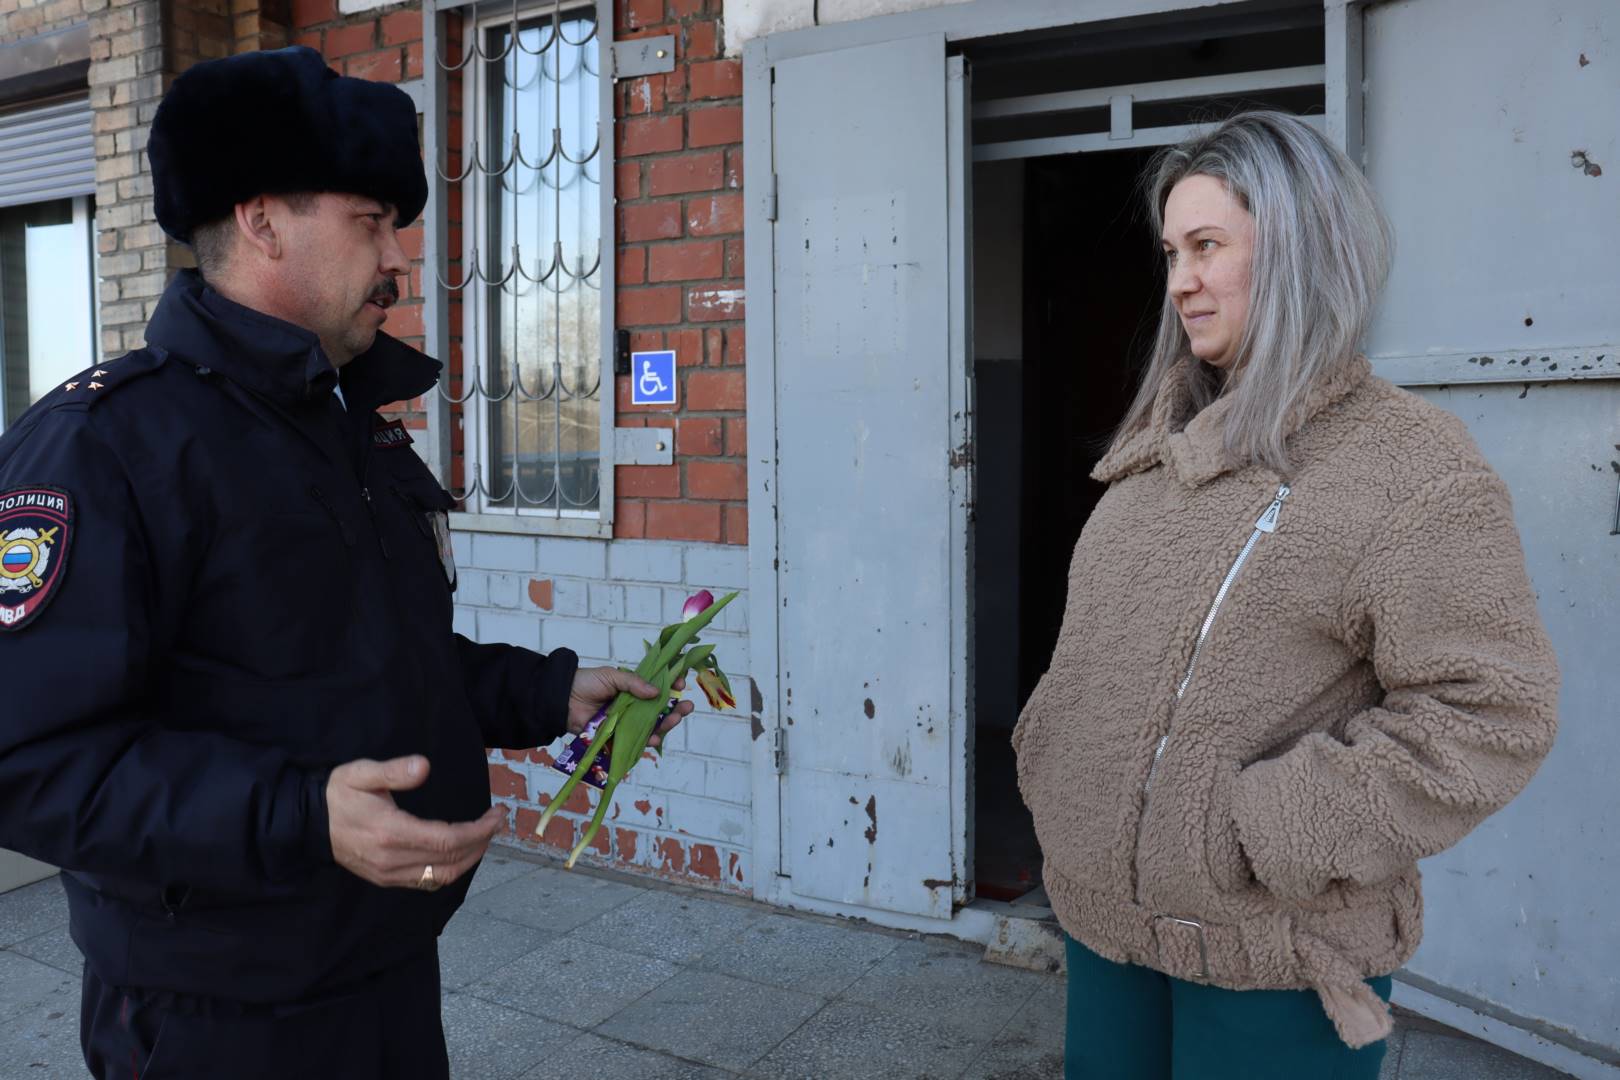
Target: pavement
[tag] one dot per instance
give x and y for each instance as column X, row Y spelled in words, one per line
column 679, row 984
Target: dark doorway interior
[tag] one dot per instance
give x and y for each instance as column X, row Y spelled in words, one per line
column 1088, row 288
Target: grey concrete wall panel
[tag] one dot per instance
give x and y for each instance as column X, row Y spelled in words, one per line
column 863, row 397
column 1520, row 915
column 1493, row 137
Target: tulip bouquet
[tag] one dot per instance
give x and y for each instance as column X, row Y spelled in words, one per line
column 617, row 736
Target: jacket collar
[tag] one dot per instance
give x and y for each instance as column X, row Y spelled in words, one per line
column 1193, row 445
column 276, row 359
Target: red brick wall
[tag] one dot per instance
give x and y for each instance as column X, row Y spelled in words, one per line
column 680, row 266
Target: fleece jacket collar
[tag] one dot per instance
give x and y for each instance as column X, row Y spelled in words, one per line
column 1193, row 445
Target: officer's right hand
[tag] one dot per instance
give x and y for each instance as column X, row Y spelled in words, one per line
column 374, row 839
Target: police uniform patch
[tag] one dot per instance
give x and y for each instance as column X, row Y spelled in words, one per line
column 36, row 526
column 389, row 434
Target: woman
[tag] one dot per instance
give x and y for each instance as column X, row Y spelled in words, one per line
column 1299, row 652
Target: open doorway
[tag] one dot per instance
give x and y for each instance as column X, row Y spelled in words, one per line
column 1067, row 290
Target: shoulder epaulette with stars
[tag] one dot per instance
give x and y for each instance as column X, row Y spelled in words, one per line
column 94, row 384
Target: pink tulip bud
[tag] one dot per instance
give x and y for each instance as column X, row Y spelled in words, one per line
column 697, row 604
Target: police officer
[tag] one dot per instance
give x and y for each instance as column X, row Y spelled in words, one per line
column 236, row 714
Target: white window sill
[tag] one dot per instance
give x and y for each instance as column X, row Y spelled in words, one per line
column 532, row 525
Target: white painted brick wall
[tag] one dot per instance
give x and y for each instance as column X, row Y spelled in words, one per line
column 643, row 604
column 708, row 819
column 574, row 558
column 505, row 590
column 571, row 598
column 495, row 551
column 509, row 627
column 607, row 597
column 647, row 561
column 717, row 736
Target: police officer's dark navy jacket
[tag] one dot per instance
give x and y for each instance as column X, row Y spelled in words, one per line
column 217, row 583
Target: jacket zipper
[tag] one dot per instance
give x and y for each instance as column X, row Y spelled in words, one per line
column 371, row 512
column 1266, row 524
column 326, row 504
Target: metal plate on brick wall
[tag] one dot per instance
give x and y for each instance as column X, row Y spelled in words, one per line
column 643, row 56
column 643, row 446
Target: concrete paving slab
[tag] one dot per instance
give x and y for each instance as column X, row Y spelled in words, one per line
column 31, row 910
column 715, row 1019
column 498, row 870
column 43, row 1041
column 473, row 946
column 56, row 948
column 603, row 1059
column 27, row 984
column 812, row 957
column 854, row 1042
column 672, row 926
column 947, row 984
column 750, row 1012
column 1030, row 1047
column 1391, row 1068
column 488, row 1042
column 555, row 901
column 1430, row 1056
column 590, row 988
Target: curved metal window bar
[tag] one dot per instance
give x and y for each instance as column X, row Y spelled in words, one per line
column 530, row 394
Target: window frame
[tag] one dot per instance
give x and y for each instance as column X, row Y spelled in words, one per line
column 476, row 20
column 83, row 223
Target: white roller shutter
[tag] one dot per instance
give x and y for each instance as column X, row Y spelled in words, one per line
column 46, row 152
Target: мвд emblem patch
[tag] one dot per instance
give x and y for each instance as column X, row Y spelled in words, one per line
column 35, row 529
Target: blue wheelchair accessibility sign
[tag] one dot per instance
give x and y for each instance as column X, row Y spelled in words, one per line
column 652, row 378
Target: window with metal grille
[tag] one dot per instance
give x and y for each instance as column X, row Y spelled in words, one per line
column 520, row 281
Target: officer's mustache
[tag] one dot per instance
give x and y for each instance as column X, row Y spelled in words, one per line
column 385, row 295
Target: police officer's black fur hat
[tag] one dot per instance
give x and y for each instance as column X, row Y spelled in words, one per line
column 271, row 123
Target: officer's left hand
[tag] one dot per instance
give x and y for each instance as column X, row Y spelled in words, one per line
column 598, row 686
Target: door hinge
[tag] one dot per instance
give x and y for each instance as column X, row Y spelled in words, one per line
column 770, row 211
column 779, row 749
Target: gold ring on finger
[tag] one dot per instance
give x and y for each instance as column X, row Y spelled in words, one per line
column 426, row 883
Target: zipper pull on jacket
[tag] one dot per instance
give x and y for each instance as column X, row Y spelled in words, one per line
column 371, row 511
column 1268, row 520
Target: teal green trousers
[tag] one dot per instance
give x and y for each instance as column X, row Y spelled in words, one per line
column 1131, row 1023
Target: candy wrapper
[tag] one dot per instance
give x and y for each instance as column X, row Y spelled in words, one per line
column 579, row 746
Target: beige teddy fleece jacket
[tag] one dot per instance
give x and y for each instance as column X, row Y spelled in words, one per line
column 1269, row 699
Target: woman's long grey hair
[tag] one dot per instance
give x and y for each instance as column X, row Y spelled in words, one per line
column 1321, row 255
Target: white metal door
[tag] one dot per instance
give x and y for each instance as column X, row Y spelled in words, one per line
column 872, row 420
